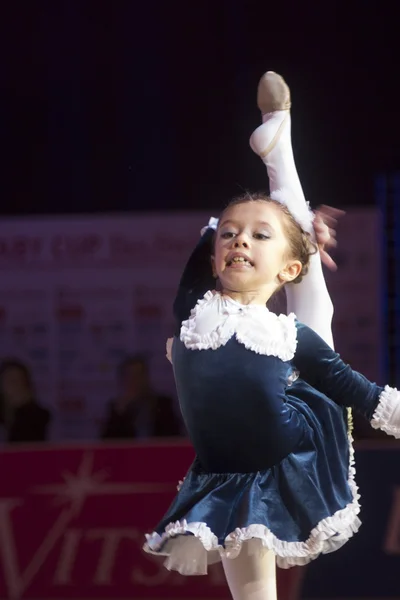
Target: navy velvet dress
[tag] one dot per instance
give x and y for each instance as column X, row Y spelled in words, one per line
column 264, row 401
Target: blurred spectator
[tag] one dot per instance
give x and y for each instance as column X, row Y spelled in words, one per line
column 22, row 419
column 138, row 411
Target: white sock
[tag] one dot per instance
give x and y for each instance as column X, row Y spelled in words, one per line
column 282, row 172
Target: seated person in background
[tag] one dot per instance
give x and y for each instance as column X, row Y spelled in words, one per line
column 22, row 419
column 138, row 411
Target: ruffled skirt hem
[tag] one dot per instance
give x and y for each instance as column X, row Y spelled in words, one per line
column 215, row 514
column 191, row 547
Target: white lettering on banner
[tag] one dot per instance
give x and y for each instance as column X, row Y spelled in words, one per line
column 93, row 249
column 123, row 247
column 68, row 553
column 8, row 549
column 111, row 540
column 74, row 492
column 75, row 247
column 20, row 247
column 392, row 538
column 157, row 574
column 18, row 581
column 103, row 571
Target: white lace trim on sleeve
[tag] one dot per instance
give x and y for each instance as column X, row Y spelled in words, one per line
column 387, row 414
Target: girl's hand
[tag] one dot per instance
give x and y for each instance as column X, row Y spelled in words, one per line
column 169, row 349
column 325, row 222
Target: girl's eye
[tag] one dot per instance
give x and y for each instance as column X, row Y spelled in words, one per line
column 261, row 236
column 227, row 234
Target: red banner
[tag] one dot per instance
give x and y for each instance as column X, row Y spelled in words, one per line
column 72, row 524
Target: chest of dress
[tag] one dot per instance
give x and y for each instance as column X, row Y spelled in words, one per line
column 230, row 377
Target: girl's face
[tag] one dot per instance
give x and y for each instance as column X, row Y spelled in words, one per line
column 251, row 251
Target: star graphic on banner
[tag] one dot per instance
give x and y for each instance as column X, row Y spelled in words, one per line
column 78, row 486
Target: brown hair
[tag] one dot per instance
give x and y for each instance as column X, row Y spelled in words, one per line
column 300, row 244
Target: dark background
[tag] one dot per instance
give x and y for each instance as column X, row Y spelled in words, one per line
column 121, row 105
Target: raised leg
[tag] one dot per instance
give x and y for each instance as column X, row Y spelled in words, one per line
column 310, row 299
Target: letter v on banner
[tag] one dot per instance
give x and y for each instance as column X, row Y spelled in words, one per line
column 8, row 547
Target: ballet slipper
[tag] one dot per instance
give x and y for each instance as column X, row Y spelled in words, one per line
column 273, row 100
column 273, row 93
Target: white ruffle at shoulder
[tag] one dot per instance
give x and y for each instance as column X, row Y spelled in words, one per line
column 217, row 318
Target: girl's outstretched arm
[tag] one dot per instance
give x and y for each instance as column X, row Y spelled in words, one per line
column 323, row 368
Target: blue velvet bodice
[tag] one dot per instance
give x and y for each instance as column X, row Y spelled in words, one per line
column 234, row 406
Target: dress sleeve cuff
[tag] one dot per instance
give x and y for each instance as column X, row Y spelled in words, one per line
column 387, row 414
column 212, row 224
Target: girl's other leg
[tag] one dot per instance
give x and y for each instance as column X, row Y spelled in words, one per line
column 252, row 575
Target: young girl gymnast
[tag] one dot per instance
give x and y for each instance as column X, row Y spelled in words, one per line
column 264, row 397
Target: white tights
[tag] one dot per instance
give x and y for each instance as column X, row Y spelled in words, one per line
column 252, row 575
column 310, row 299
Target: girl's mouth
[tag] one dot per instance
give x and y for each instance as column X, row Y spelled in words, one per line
column 239, row 261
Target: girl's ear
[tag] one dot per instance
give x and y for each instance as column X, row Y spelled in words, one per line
column 290, row 271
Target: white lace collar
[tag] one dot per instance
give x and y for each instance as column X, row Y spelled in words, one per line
column 216, row 319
